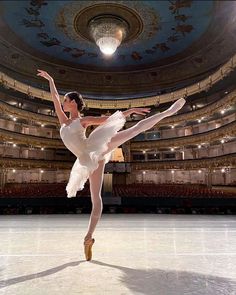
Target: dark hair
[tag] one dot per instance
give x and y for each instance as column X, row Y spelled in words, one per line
column 78, row 99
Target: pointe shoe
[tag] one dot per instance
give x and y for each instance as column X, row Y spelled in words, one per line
column 178, row 105
column 88, row 249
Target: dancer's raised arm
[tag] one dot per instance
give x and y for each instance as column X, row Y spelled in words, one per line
column 55, row 97
column 90, row 120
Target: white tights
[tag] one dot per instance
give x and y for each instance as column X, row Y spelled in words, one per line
column 96, row 178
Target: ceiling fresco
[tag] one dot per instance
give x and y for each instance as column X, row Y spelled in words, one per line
column 168, row 28
column 174, row 43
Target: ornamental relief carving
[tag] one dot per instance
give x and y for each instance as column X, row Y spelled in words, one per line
column 203, row 85
column 210, row 109
column 209, row 163
column 206, row 137
column 209, row 136
column 20, row 138
column 29, row 164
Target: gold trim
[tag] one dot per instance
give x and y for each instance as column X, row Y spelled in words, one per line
column 30, row 140
column 209, row 163
column 208, row 110
column 214, row 107
column 29, row 163
column 203, row 85
column 206, row 137
column 209, row 136
column 9, row 109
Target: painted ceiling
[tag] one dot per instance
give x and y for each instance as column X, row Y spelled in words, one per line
column 43, row 34
column 169, row 28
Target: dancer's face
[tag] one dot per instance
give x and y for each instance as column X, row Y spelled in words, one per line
column 68, row 104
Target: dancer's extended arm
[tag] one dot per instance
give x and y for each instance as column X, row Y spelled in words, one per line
column 90, row 120
column 55, row 97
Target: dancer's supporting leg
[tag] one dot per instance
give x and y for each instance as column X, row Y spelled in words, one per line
column 95, row 180
column 143, row 125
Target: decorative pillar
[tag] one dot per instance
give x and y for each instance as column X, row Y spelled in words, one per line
column 145, row 156
column 209, row 178
column 2, row 178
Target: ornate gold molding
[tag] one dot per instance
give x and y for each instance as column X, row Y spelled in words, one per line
column 210, row 109
column 30, row 140
column 9, row 109
column 206, row 137
column 209, row 163
column 204, row 84
column 209, row 136
column 29, row 164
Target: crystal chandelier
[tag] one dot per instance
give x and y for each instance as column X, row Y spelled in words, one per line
column 108, row 31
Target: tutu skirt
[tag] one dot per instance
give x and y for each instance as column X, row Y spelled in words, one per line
column 95, row 147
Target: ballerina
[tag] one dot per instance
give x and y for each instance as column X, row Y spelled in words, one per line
column 94, row 151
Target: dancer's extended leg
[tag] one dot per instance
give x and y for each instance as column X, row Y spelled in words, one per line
column 95, row 180
column 143, row 125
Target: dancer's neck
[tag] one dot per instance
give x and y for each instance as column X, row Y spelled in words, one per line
column 74, row 114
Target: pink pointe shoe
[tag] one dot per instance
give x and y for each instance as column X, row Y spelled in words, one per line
column 88, row 248
column 178, row 105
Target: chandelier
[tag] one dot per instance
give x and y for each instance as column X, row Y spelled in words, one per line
column 108, row 31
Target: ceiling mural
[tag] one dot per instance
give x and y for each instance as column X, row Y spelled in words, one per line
column 169, row 45
column 168, row 27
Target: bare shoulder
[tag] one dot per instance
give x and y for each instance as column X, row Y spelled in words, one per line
column 90, row 120
column 86, row 121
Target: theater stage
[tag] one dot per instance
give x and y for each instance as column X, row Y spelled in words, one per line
column 133, row 254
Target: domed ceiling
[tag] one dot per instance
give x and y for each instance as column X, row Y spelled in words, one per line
column 170, row 44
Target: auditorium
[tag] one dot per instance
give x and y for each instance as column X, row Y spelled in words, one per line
column 118, row 147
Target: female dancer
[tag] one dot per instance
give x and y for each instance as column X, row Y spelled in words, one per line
column 94, row 152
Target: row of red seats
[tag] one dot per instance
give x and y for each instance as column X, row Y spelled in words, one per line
column 38, row 190
column 132, row 190
column 143, row 190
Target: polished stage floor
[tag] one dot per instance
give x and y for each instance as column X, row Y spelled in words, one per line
column 133, row 254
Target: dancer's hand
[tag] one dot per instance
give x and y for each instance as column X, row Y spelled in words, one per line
column 44, row 74
column 141, row 111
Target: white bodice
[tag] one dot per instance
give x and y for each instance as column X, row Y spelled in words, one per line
column 73, row 137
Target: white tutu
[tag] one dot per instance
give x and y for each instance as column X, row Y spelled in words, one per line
column 89, row 151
